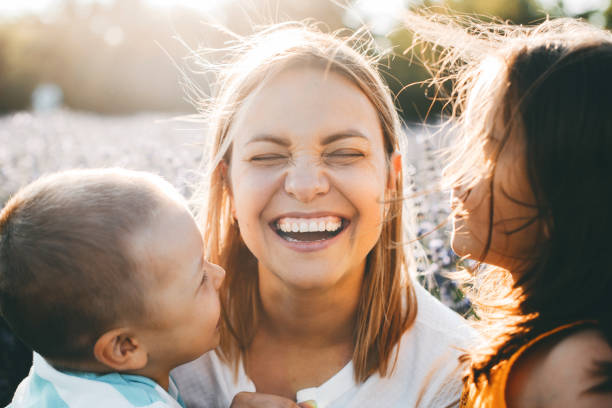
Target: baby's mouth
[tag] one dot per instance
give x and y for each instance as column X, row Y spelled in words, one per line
column 309, row 229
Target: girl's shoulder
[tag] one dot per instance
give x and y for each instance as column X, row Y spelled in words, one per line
column 559, row 369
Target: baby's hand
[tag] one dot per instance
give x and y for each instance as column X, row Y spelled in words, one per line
column 259, row 400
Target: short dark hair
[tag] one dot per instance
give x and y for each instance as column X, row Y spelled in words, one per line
column 66, row 274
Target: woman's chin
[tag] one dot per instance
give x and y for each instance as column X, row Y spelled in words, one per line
column 309, row 276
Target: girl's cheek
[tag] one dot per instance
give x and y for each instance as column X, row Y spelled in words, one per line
column 476, row 199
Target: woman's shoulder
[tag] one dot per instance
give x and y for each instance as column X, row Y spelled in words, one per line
column 559, row 371
column 428, row 364
column 209, row 382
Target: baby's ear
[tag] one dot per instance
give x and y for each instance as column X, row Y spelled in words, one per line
column 120, row 350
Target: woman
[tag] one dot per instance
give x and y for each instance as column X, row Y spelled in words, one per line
column 305, row 214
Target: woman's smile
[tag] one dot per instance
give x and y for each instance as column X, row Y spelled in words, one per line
column 309, row 232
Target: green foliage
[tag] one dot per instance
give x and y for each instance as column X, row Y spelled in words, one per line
column 405, row 75
column 516, row 11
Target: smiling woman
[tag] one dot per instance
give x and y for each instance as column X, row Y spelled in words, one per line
column 305, row 214
column 306, row 176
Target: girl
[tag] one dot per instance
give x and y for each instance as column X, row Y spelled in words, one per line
column 531, row 177
column 304, row 213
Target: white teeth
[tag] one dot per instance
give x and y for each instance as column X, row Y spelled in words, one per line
column 321, row 224
column 331, row 226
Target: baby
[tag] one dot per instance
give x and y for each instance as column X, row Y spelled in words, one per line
column 102, row 274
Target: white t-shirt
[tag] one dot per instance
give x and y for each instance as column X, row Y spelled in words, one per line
column 427, row 373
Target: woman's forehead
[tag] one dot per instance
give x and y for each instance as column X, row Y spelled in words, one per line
column 306, row 101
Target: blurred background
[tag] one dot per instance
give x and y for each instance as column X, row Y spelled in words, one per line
column 89, row 83
column 105, row 55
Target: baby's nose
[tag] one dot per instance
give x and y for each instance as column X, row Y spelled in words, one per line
column 217, row 274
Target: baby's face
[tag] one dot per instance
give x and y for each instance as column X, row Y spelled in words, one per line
column 183, row 299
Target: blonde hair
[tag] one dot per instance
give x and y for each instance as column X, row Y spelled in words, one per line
column 387, row 305
column 542, row 87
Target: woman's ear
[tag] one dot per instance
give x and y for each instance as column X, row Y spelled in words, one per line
column 395, row 169
column 120, row 350
column 224, row 168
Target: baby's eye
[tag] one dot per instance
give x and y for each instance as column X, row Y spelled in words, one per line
column 343, row 156
column 202, row 281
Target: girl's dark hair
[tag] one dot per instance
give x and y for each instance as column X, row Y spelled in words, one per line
column 550, row 86
column 562, row 94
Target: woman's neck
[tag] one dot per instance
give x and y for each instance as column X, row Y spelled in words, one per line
column 325, row 316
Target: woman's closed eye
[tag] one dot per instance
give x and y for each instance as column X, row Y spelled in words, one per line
column 343, row 156
column 270, row 158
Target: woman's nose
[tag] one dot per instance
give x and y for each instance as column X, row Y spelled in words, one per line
column 305, row 181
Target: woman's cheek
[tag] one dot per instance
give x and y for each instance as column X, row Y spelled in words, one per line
column 366, row 192
column 253, row 185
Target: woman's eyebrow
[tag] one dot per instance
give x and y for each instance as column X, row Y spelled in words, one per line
column 270, row 139
column 343, row 135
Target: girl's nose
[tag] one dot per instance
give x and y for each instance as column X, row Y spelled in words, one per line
column 305, row 181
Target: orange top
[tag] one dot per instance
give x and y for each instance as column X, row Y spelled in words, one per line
column 493, row 394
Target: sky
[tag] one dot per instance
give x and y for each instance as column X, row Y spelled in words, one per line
column 369, row 7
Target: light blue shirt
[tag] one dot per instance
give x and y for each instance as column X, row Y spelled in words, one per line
column 46, row 387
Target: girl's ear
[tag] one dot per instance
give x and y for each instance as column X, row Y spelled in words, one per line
column 395, row 169
column 547, row 225
column 120, row 350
